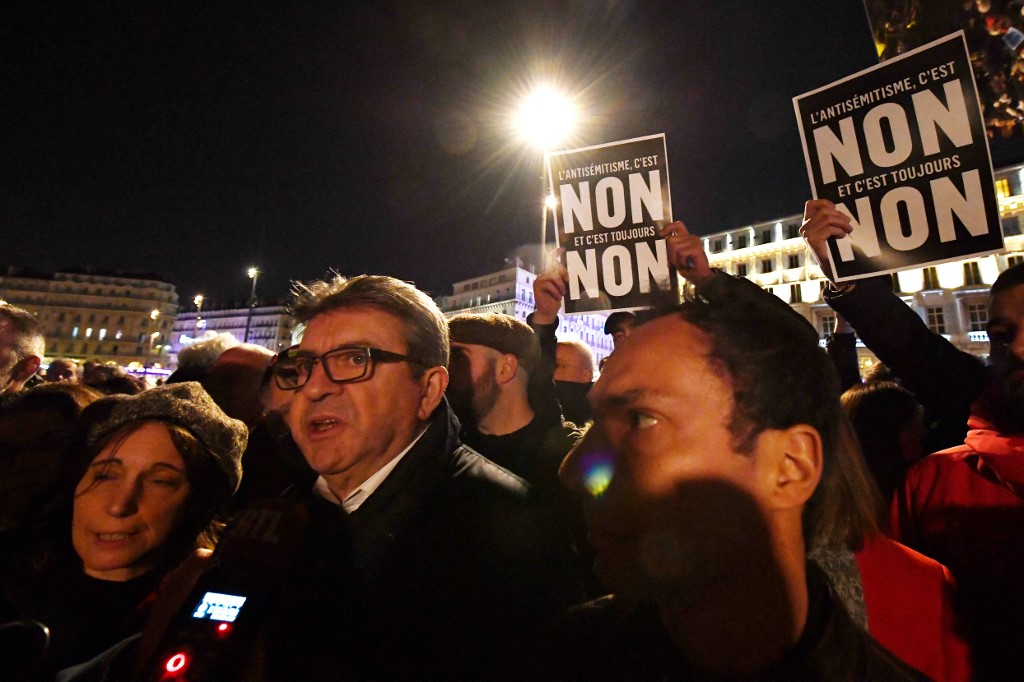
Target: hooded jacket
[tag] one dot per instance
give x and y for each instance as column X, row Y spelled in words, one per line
column 963, row 507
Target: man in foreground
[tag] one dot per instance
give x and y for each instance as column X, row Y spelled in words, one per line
column 425, row 558
column 712, row 429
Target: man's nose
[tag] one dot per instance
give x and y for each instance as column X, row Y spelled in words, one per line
column 318, row 385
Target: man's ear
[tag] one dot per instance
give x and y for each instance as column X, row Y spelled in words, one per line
column 25, row 369
column 794, row 464
column 433, row 383
column 507, row 368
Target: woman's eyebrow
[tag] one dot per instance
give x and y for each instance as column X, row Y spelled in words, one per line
column 168, row 465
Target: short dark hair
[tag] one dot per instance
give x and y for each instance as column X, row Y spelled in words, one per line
column 778, row 373
column 1010, row 278
column 616, row 320
column 426, row 330
column 29, row 337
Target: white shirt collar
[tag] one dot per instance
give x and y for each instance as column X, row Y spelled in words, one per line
column 367, row 487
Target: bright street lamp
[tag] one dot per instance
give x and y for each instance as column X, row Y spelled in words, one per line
column 198, row 300
column 254, row 275
column 545, row 119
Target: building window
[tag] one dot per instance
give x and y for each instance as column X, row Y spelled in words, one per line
column 792, row 231
column 972, row 273
column 74, row 333
column 827, row 326
column 795, row 296
column 794, row 261
column 936, row 319
column 117, row 335
column 894, row 283
column 60, row 318
column 767, row 265
column 1014, row 260
column 741, row 269
column 717, row 245
column 931, row 278
column 1003, row 188
column 977, row 317
column 103, row 334
column 741, row 241
column 766, row 236
column 120, row 320
column 88, row 333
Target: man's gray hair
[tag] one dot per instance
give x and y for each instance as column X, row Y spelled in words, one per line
column 581, row 348
column 29, row 339
column 205, row 350
column 426, row 330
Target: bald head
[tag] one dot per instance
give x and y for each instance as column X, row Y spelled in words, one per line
column 574, row 361
column 235, row 380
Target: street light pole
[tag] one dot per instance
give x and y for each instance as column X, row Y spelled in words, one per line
column 198, row 300
column 545, row 119
column 254, row 275
column 153, row 315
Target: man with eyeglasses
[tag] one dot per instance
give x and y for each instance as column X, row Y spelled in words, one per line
column 429, row 560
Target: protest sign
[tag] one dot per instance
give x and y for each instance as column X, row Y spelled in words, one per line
column 901, row 149
column 613, row 199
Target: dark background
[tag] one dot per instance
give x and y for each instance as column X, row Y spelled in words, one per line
column 194, row 141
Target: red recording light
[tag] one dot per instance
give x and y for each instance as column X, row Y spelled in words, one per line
column 223, row 628
column 176, row 663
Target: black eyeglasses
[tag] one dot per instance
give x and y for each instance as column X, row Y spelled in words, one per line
column 293, row 367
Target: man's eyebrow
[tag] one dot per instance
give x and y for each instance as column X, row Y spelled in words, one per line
column 360, row 344
column 625, row 398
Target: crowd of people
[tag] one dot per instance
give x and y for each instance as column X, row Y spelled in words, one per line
column 460, row 499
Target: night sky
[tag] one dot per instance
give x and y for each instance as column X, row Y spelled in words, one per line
column 194, row 141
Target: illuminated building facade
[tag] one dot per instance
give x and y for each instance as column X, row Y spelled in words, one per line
column 510, row 291
column 952, row 298
column 270, row 326
column 100, row 316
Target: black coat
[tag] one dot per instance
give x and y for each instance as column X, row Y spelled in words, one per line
column 437, row 575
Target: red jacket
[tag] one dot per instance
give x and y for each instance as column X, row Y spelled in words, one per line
column 962, row 507
column 909, row 602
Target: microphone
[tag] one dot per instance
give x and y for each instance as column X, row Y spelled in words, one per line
column 214, row 631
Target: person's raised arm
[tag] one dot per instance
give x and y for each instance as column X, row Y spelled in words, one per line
column 686, row 254
column 548, row 290
column 943, row 378
column 822, row 221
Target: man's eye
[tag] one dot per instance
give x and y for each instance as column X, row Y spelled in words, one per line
column 641, row 421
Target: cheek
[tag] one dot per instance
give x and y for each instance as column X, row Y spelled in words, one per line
column 164, row 517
